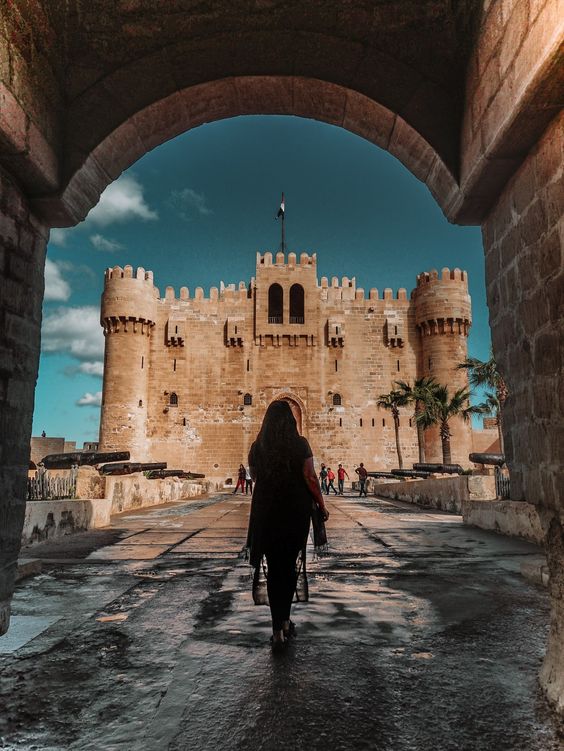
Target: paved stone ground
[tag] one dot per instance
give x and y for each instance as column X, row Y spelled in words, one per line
column 420, row 634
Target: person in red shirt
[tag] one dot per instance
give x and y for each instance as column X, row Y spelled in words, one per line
column 341, row 474
column 330, row 481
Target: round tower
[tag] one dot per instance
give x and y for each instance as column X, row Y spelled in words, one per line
column 443, row 318
column 128, row 314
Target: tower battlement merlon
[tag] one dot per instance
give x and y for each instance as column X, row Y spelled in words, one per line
column 279, row 260
column 442, row 303
column 447, row 275
column 128, row 298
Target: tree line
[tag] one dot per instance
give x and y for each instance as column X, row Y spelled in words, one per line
column 434, row 404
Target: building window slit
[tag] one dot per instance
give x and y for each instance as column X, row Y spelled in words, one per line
column 142, row 362
column 383, row 423
column 248, row 365
column 174, row 364
column 340, row 422
column 360, row 422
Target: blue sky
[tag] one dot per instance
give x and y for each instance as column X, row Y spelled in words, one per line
column 195, row 211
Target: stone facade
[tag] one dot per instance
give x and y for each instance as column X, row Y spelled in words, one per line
column 188, row 380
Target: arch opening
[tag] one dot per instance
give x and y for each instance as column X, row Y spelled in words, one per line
column 275, row 303
column 297, row 303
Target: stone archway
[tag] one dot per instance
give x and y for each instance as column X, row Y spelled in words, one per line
column 298, row 409
column 468, row 96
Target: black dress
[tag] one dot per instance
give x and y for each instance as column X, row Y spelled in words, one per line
column 278, row 528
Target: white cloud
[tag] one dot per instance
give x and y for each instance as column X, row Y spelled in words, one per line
column 188, row 202
column 90, row 400
column 92, row 368
column 56, row 288
column 75, row 331
column 105, row 243
column 58, row 236
column 122, row 200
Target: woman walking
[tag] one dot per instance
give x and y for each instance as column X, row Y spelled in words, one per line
column 241, row 477
column 286, row 495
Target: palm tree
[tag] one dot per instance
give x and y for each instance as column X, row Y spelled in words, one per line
column 420, row 394
column 487, row 374
column 443, row 408
column 393, row 401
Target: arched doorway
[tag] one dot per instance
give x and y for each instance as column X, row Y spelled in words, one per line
column 297, row 407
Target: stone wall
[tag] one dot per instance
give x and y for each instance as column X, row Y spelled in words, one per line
column 22, row 258
column 513, row 518
column 45, row 520
column 136, row 491
column 524, row 241
column 445, row 493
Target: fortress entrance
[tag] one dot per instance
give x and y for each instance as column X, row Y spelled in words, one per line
column 296, row 411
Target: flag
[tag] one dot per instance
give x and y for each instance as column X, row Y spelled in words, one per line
column 281, row 209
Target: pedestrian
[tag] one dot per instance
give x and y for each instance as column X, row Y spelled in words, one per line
column 286, row 497
column 248, row 482
column 362, row 475
column 341, row 474
column 241, row 477
column 323, row 478
column 330, row 481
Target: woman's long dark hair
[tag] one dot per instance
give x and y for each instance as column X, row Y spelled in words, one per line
column 278, row 442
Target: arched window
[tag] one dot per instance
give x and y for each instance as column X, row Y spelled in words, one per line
column 173, row 400
column 247, row 400
column 296, row 303
column 337, row 400
column 275, row 303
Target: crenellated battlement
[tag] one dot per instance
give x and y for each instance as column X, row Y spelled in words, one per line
column 442, row 303
column 117, row 272
column 279, row 260
column 447, row 275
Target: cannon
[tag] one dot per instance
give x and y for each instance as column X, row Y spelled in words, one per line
column 81, row 458
column 409, row 473
column 445, row 469
column 387, row 475
column 159, row 474
column 128, row 468
column 497, row 460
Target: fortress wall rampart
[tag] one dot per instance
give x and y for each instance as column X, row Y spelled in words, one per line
column 205, row 350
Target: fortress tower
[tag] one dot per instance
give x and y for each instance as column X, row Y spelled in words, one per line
column 443, row 318
column 128, row 315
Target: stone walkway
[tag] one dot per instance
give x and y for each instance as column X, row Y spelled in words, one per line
column 420, row 634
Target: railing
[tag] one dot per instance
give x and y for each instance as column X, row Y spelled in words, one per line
column 274, row 319
column 45, row 487
column 501, row 485
column 296, row 319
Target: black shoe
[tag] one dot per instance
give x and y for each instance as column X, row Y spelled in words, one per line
column 277, row 646
column 291, row 632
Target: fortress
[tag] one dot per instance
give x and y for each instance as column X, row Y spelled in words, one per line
column 187, row 379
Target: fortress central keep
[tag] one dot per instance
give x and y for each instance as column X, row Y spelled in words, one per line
column 187, row 379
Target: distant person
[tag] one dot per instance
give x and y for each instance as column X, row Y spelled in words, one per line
column 323, row 478
column 43, row 434
column 362, row 475
column 248, row 482
column 330, row 481
column 241, row 477
column 341, row 474
column 287, row 496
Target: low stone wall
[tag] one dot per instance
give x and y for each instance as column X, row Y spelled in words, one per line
column 136, row 491
column 444, row 493
column 514, row 518
column 47, row 519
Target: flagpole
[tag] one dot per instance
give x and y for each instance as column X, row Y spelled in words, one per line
column 283, row 246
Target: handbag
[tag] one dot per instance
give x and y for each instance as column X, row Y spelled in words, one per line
column 318, row 526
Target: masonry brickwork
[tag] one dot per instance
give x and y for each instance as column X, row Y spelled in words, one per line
column 187, row 380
